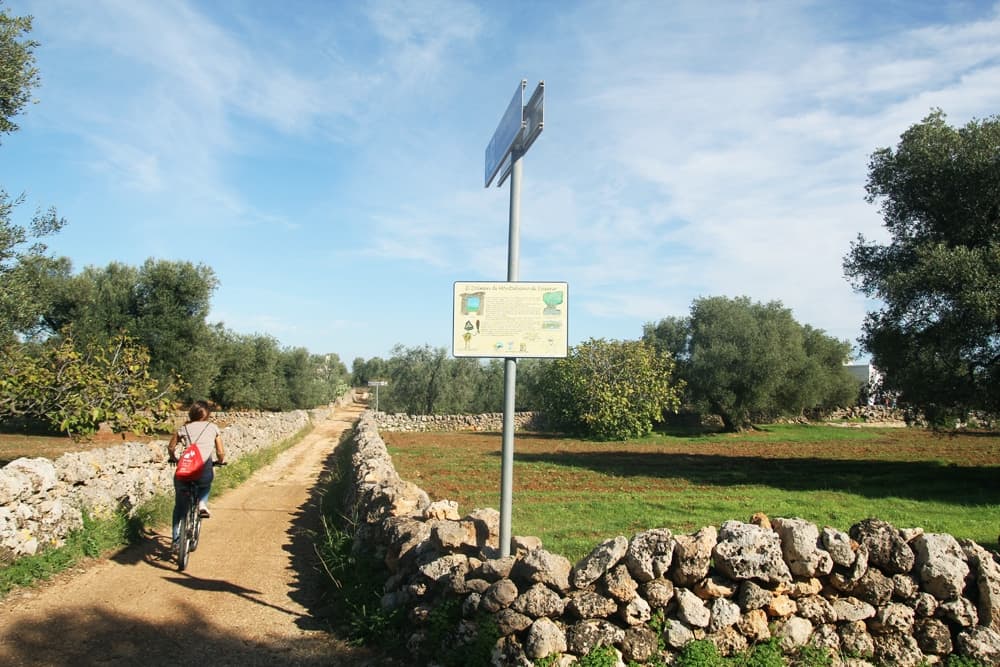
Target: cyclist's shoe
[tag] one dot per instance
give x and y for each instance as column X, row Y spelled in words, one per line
column 203, row 511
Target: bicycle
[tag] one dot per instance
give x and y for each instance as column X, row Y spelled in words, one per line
column 190, row 530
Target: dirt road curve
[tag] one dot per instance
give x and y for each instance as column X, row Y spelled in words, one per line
column 243, row 600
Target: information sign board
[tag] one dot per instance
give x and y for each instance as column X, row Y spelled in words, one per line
column 510, row 319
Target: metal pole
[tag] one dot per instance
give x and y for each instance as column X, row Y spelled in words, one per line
column 510, row 364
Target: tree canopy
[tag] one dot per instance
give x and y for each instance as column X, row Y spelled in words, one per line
column 936, row 336
column 18, row 74
column 163, row 304
column 744, row 361
column 612, row 390
column 25, row 267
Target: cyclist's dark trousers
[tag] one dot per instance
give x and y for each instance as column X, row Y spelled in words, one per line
column 180, row 496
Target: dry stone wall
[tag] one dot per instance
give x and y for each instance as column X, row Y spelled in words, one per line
column 42, row 501
column 488, row 422
column 881, row 595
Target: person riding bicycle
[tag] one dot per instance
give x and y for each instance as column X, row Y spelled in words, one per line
column 207, row 437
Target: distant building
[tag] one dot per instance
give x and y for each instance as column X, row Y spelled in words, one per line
column 870, row 379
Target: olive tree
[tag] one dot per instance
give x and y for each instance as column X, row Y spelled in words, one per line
column 743, row 360
column 25, row 268
column 936, row 336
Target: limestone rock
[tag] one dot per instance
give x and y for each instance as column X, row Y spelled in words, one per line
column 588, row 604
column 649, row 554
column 855, row 639
column 845, row 579
column 898, row 650
column 729, row 641
column 873, row 587
column 495, row 569
column 544, row 638
column 781, row 606
column 793, row 632
column 454, row 536
column 724, row 613
column 585, row 636
column 510, row 622
column 541, row 566
column 980, row 643
column 852, row 609
column 816, row 609
column 508, row 652
column 959, row 611
column 635, row 612
column 603, row 557
column 691, row 609
column 485, row 524
column 838, row 544
column 933, row 636
column 639, row 644
column 754, row 626
column 986, row 571
column 442, row 510
column 799, row 546
column 692, row 556
column 893, row 617
column 887, row 549
column 499, row 596
column 904, row 588
column 753, row 596
column 711, row 588
column 658, row 592
column 40, row 473
column 538, row 601
column 677, row 635
column 446, row 570
column 619, row 584
column 941, row 565
column 745, row 551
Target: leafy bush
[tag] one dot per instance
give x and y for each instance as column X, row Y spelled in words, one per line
column 602, row 656
column 700, row 653
column 612, row 390
column 767, row 654
column 75, row 390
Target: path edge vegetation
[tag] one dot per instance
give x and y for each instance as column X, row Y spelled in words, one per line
column 105, row 535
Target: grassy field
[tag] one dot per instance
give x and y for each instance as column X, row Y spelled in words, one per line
column 575, row 493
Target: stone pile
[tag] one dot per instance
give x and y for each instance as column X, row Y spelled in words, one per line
column 875, row 593
column 488, row 422
column 42, row 501
column 876, row 414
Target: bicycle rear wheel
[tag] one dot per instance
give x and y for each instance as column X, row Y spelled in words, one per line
column 195, row 520
column 183, row 551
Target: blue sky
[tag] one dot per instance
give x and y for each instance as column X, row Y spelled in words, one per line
column 326, row 158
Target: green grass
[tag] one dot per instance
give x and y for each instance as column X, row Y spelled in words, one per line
column 575, row 493
column 100, row 537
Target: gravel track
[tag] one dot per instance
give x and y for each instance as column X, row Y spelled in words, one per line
column 244, row 599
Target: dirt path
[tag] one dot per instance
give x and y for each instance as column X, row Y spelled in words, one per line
column 243, row 600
